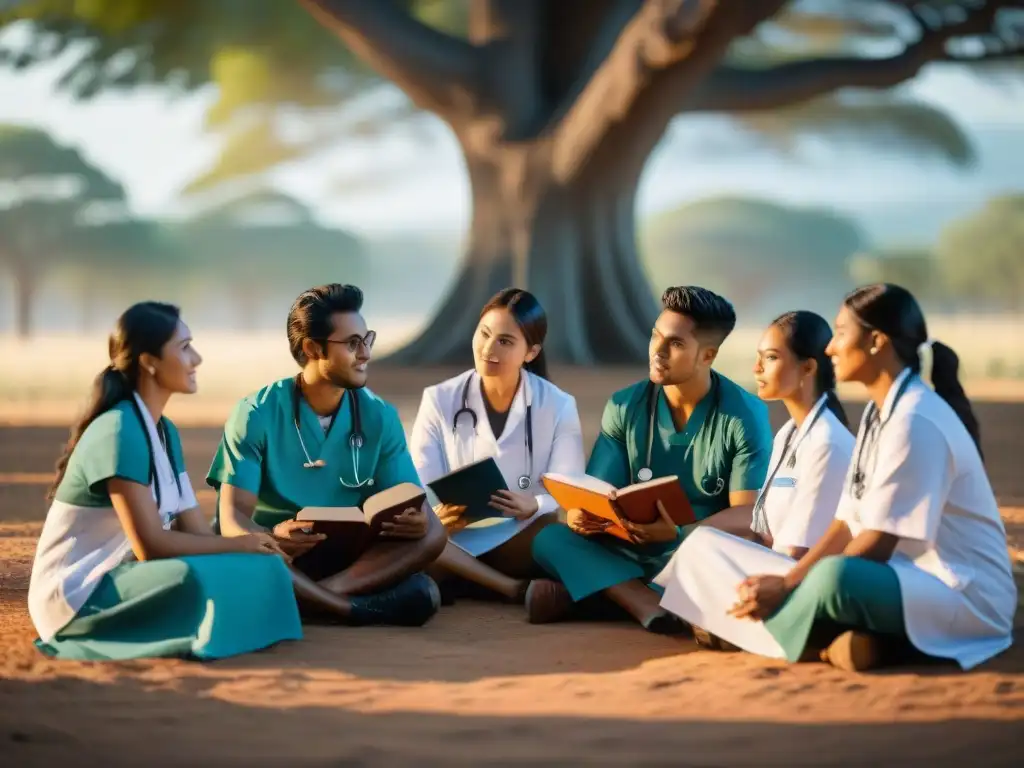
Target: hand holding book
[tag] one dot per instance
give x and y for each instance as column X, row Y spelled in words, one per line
column 584, row 523
column 411, row 523
column 663, row 529
column 521, row 506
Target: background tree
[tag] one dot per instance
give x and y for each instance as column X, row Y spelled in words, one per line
column 982, row 255
column 49, row 195
column 262, row 250
column 917, row 269
column 765, row 257
column 556, row 104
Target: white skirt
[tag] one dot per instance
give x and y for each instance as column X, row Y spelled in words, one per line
column 701, row 584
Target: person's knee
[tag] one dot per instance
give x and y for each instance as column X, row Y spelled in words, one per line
column 832, row 575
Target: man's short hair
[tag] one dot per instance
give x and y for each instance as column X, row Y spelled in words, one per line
column 713, row 316
column 311, row 315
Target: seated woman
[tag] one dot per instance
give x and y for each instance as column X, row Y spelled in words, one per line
column 127, row 565
column 810, row 456
column 917, row 554
column 505, row 408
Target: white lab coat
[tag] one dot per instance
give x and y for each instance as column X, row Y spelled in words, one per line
column 557, row 445
column 800, row 503
column 926, row 484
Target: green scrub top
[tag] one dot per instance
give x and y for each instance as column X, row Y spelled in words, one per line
column 260, row 452
column 113, row 445
column 725, row 446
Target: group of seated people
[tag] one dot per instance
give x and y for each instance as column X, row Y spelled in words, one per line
column 857, row 549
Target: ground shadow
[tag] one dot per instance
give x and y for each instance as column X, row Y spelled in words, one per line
column 81, row 723
column 467, row 642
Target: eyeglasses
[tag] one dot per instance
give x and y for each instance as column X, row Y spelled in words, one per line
column 354, row 342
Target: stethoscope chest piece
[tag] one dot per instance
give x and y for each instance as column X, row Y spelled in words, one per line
column 644, row 474
column 524, row 482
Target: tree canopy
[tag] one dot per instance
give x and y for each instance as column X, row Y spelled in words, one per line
column 763, row 255
column 555, row 104
column 981, row 256
column 57, row 208
column 268, row 58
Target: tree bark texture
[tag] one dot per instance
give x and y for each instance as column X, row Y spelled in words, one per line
column 557, row 105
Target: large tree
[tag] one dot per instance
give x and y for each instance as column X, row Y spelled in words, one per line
column 557, row 105
column 55, row 208
column 981, row 256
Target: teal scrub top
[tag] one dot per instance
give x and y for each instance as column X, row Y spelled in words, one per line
column 725, row 446
column 113, row 445
column 260, row 452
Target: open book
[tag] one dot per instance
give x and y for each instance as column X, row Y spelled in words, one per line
column 381, row 507
column 636, row 503
column 471, row 486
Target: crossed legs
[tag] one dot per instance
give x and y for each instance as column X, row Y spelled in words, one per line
column 382, row 581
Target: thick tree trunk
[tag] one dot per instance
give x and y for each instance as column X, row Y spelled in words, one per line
column 569, row 242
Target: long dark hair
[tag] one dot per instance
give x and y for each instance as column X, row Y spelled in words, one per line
column 531, row 319
column 893, row 310
column 144, row 328
column 807, row 336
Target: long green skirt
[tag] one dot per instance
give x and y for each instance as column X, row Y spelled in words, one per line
column 839, row 593
column 587, row 565
column 201, row 607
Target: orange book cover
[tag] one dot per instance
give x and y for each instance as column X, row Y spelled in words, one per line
column 636, row 503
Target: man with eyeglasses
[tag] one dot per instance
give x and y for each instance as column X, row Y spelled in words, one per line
column 321, row 439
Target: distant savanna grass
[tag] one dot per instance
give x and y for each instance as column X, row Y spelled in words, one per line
column 45, row 379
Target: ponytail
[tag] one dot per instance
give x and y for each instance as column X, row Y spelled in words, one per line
column 109, row 388
column 833, row 404
column 538, row 366
column 946, row 382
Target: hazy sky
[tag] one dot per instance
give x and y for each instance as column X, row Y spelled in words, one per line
column 155, row 145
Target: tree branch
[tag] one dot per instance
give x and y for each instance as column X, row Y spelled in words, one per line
column 736, row 89
column 439, row 72
column 508, row 33
column 660, row 34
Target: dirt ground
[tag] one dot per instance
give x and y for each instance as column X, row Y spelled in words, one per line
column 480, row 686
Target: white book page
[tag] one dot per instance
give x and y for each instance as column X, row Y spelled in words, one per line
column 584, row 481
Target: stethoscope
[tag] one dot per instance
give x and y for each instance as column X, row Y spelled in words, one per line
column 525, row 481
column 858, row 479
column 760, row 518
column 645, row 472
column 161, row 430
column 356, row 439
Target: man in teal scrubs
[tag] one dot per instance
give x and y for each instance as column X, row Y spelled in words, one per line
column 707, row 430
column 321, row 439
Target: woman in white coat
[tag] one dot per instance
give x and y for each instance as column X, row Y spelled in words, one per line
column 505, row 408
column 917, row 551
column 798, row 501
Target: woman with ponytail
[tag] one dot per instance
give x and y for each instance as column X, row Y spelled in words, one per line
column 506, row 408
column 796, row 505
column 126, row 565
column 916, row 559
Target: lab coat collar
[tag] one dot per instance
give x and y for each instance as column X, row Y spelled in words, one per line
column 890, row 397
column 516, row 414
column 813, row 414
